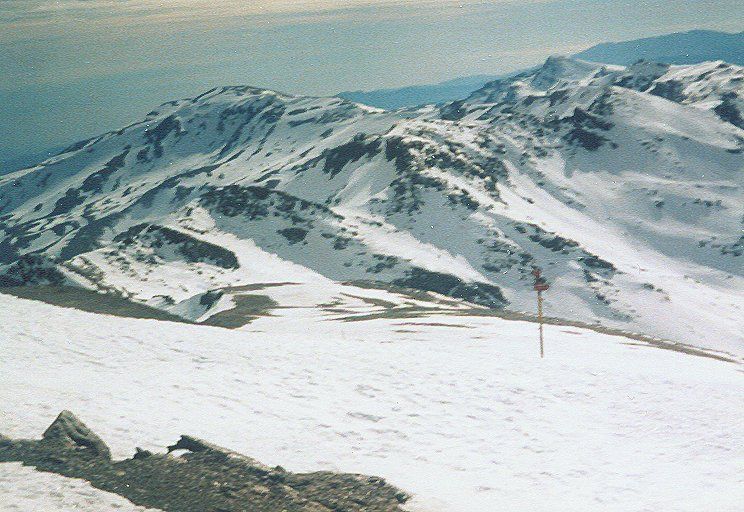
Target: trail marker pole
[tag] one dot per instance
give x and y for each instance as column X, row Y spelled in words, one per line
column 540, row 286
column 540, row 321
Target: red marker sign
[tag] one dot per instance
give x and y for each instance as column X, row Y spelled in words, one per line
column 541, row 284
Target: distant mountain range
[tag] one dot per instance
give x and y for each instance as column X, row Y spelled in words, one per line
column 678, row 48
column 623, row 183
column 420, row 94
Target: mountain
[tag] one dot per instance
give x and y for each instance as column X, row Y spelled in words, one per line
column 419, row 94
column 623, row 184
column 679, row 48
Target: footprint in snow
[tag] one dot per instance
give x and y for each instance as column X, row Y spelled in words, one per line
column 363, row 416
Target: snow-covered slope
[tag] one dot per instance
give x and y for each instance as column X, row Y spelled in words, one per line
column 459, row 411
column 623, row 184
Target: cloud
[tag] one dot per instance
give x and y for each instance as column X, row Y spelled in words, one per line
column 28, row 14
column 52, row 11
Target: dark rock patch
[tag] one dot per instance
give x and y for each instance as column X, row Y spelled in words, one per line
column 143, row 155
column 555, row 243
column 462, row 197
column 88, row 237
column 596, row 263
column 210, row 298
column 293, row 235
column 70, row 200
column 583, row 129
column 452, row 286
column 359, row 146
column 31, row 269
column 253, row 203
column 95, row 181
column 68, row 432
column 91, row 301
column 728, row 111
column 267, row 111
column 76, row 146
column 248, row 307
column 300, row 122
column 383, row 262
column 192, row 249
column 161, row 131
column 454, row 111
column 670, row 90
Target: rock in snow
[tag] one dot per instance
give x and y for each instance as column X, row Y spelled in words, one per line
column 70, row 432
column 208, row 478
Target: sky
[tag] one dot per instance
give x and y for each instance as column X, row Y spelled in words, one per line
column 71, row 69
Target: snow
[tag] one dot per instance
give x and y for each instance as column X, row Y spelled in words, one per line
column 386, row 239
column 705, row 310
column 460, row 411
column 24, row 489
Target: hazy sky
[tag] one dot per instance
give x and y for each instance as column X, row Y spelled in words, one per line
column 73, row 68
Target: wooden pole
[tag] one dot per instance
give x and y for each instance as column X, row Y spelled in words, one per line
column 541, row 285
column 540, row 321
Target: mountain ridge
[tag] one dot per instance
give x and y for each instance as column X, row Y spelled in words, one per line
column 689, row 47
column 245, row 198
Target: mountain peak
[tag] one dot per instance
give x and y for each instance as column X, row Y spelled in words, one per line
column 564, row 69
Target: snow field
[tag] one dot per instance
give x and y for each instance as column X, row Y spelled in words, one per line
column 459, row 411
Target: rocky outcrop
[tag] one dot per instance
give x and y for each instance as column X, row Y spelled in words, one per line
column 68, row 432
column 207, row 478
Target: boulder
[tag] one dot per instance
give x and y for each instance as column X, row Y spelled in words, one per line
column 69, row 431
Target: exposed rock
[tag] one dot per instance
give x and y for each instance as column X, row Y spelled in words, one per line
column 446, row 284
column 141, row 454
column 193, row 444
column 31, row 269
column 69, row 431
column 208, row 478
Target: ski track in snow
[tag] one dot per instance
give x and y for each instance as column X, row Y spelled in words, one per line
column 463, row 414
